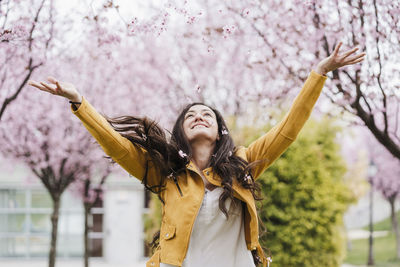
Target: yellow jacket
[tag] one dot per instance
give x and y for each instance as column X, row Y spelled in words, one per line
column 180, row 212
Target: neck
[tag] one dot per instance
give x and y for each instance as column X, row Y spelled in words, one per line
column 201, row 154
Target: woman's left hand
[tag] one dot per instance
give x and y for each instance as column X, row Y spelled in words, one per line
column 336, row 60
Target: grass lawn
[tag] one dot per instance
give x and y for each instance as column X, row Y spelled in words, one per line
column 384, row 252
column 385, row 225
column 384, row 248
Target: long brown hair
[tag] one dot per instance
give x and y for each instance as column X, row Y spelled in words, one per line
column 171, row 156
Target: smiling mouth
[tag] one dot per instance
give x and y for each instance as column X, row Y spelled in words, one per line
column 202, row 125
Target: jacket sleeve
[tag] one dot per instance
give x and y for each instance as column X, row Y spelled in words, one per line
column 134, row 159
column 272, row 144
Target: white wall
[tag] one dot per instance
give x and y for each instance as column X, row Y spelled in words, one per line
column 357, row 216
column 123, row 225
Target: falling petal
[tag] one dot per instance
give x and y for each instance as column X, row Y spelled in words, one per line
column 182, row 154
column 188, row 99
column 269, row 260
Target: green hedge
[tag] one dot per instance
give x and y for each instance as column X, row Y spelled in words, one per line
column 305, row 199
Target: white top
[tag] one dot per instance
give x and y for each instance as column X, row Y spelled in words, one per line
column 216, row 241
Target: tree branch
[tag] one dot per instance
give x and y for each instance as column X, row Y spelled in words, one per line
column 384, row 99
column 10, row 99
column 381, row 136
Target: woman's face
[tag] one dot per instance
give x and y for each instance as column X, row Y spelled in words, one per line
column 200, row 123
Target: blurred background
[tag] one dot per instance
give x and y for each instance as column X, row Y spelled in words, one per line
column 332, row 199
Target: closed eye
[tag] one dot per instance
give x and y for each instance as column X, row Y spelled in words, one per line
column 208, row 114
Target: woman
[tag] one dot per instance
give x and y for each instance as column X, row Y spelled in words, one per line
column 206, row 184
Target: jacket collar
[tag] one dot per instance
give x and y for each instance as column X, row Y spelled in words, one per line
column 207, row 172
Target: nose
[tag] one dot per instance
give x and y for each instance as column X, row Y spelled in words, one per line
column 198, row 116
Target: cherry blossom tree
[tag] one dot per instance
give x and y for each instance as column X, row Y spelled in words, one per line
column 37, row 130
column 361, row 149
column 39, row 133
column 281, row 42
column 26, row 39
column 299, row 31
column 209, row 55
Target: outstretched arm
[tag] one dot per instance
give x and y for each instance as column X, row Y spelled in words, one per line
column 271, row 145
column 132, row 158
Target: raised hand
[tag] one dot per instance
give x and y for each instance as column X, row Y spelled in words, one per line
column 336, row 60
column 56, row 87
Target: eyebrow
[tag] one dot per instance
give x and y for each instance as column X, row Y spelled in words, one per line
column 204, row 109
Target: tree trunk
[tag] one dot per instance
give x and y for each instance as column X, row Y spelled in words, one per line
column 86, row 234
column 54, row 224
column 395, row 224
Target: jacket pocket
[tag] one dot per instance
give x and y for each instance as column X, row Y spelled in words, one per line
column 168, row 231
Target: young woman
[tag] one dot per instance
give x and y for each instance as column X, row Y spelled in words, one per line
column 206, row 183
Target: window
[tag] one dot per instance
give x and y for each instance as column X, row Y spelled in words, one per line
column 25, row 225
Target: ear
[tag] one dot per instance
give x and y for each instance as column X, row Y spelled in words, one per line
column 218, row 137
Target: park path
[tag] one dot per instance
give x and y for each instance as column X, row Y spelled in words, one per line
column 65, row 263
column 79, row 263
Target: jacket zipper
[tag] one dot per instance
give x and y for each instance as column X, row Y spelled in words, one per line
column 177, row 185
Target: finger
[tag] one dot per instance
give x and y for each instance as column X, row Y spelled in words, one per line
column 59, row 89
column 348, row 53
column 355, row 61
column 336, row 51
column 48, row 86
column 32, row 82
column 39, row 86
column 355, row 57
column 52, row 79
column 35, row 84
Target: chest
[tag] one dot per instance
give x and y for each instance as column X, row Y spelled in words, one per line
column 193, row 186
column 210, row 214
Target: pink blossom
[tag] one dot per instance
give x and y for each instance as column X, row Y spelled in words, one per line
column 182, row 154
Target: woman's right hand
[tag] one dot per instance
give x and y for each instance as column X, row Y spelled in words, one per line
column 56, row 87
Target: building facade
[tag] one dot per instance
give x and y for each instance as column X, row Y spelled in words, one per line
column 116, row 234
